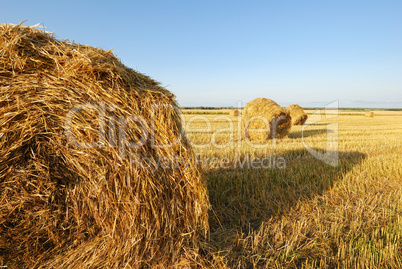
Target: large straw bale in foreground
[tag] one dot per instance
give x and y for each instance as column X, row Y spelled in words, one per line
column 264, row 119
column 297, row 114
column 128, row 199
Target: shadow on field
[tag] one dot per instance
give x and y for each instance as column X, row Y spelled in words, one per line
column 307, row 133
column 242, row 198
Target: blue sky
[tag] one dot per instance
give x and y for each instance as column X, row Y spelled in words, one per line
column 216, row 53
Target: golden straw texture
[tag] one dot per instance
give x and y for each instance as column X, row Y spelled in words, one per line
column 264, row 119
column 297, row 114
column 132, row 199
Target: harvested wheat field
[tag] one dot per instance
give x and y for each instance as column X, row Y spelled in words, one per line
column 282, row 207
column 263, row 119
column 99, row 169
column 75, row 192
column 297, row 113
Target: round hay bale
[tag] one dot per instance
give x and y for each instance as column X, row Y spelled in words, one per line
column 95, row 171
column 234, row 113
column 264, row 119
column 297, row 114
column 369, row 114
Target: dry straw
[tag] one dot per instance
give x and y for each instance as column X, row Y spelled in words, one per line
column 264, row 119
column 369, row 114
column 110, row 205
column 297, row 113
column 234, row 113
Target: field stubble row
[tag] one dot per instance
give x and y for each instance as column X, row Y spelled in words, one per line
column 306, row 214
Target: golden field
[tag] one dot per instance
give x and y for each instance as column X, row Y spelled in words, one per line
column 279, row 206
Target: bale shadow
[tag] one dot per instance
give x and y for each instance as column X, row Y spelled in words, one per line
column 243, row 197
column 307, row 133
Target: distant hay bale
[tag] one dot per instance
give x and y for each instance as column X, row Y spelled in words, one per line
column 297, row 113
column 129, row 199
column 234, row 113
column 369, row 114
column 264, row 119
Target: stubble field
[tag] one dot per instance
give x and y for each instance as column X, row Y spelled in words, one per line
column 328, row 196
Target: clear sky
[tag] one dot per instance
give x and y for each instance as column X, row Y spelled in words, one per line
column 216, row 53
